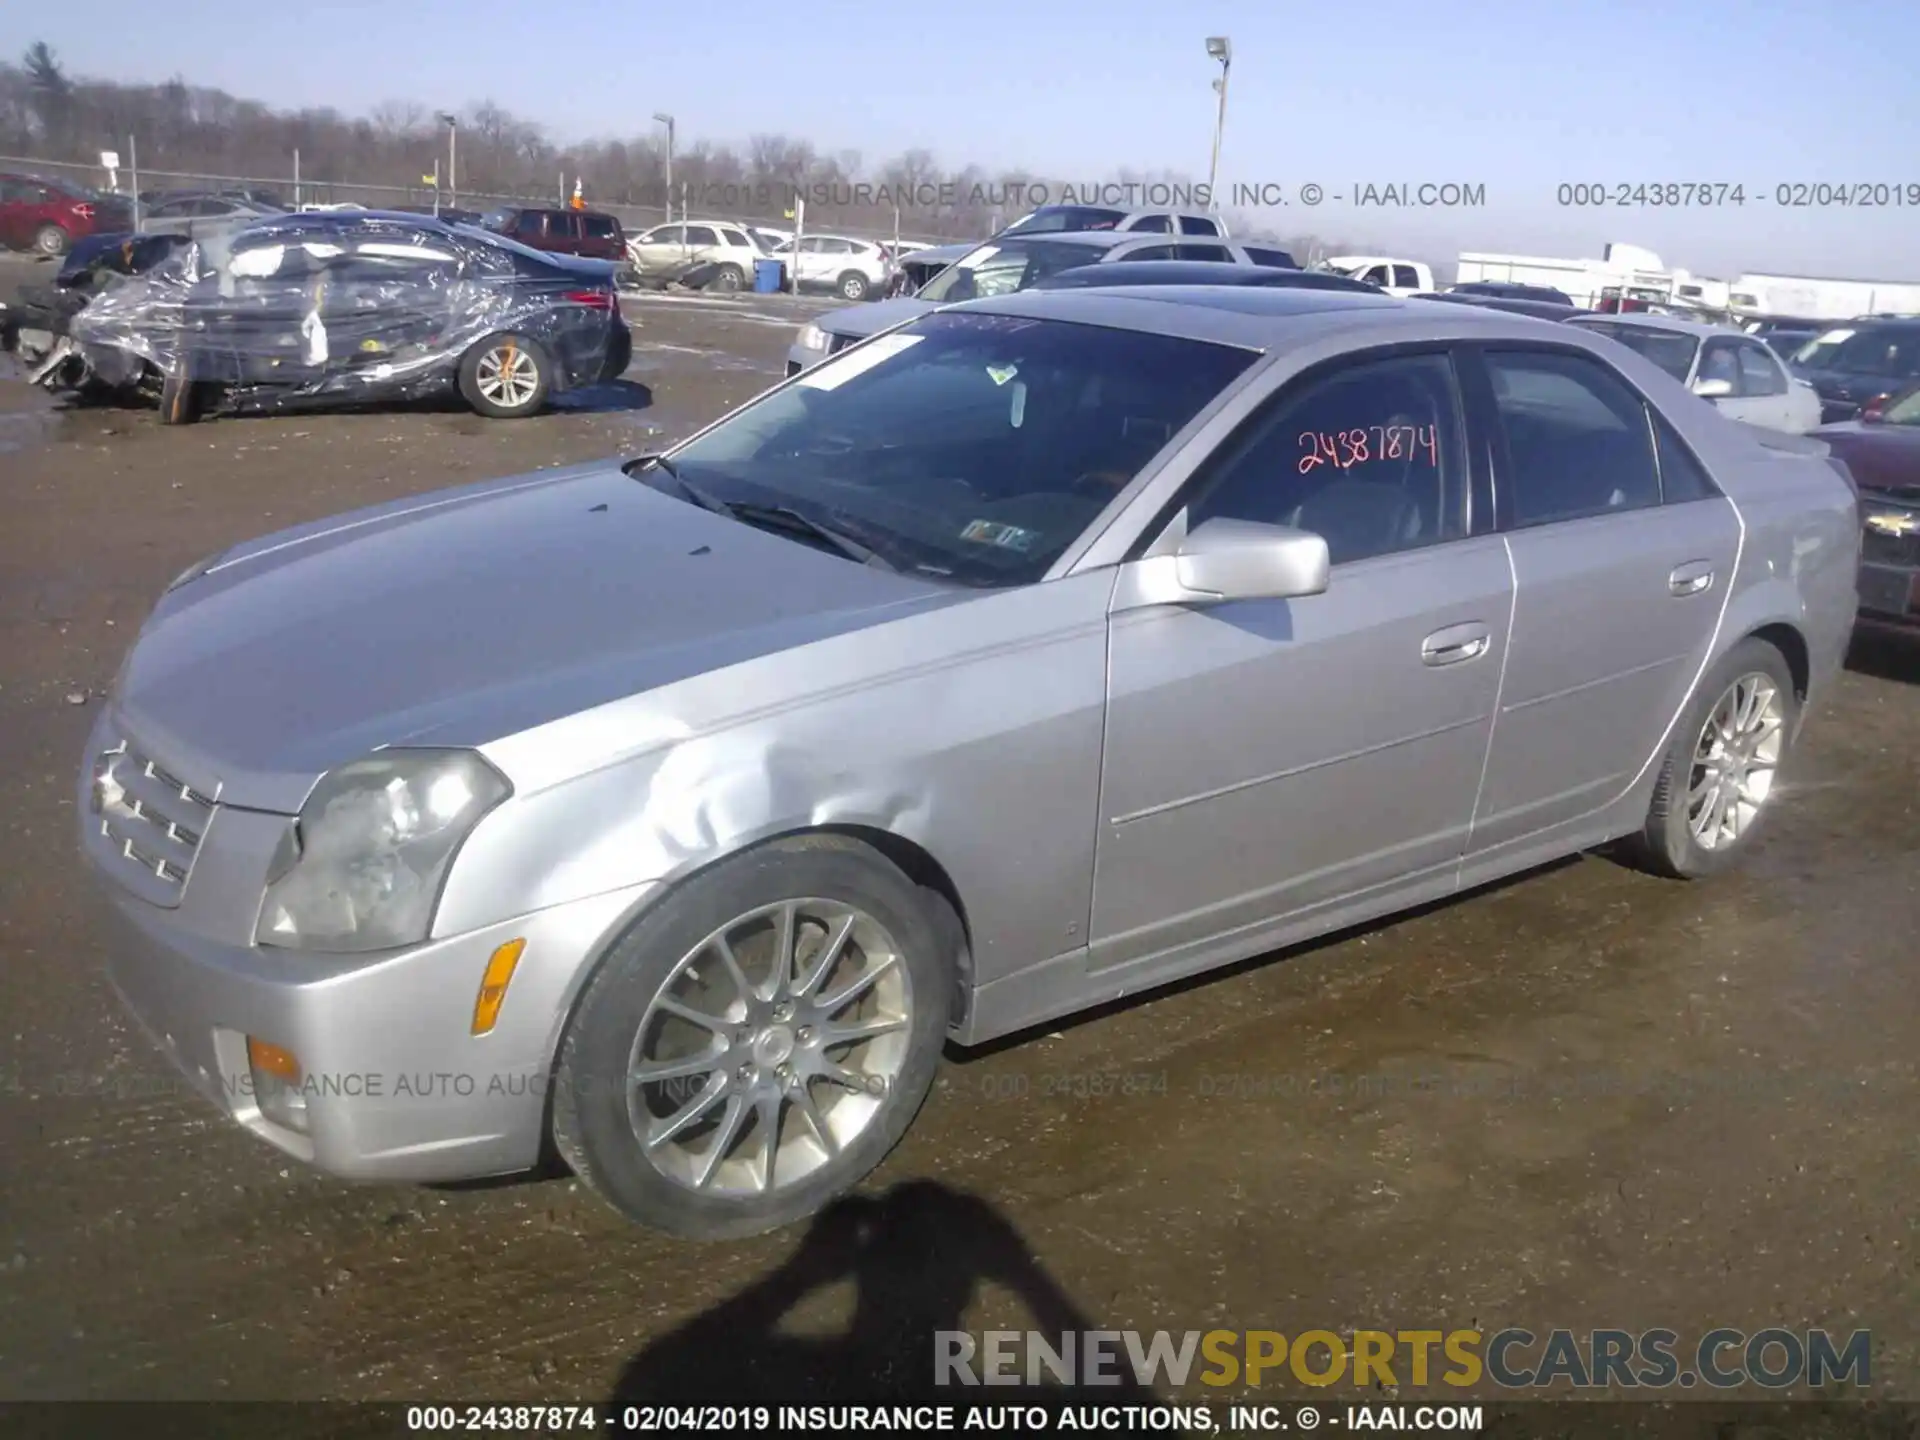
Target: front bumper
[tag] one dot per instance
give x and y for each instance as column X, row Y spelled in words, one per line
column 396, row 1085
column 1889, row 561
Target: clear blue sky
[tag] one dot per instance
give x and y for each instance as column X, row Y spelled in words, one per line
column 1518, row 97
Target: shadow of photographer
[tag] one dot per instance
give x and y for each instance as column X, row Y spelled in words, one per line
column 917, row 1256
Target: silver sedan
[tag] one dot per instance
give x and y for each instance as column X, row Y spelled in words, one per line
column 1040, row 652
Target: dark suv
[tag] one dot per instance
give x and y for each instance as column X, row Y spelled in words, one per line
column 565, row 232
column 1859, row 361
column 49, row 215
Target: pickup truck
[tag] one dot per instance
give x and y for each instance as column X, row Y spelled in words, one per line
column 1399, row 278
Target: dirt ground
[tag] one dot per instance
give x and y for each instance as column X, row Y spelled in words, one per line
column 1585, row 1098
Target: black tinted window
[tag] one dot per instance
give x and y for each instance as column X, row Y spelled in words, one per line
column 1197, row 225
column 531, row 223
column 1878, row 352
column 1192, row 251
column 1577, row 438
column 701, row 235
column 1370, row 457
column 1153, row 225
column 1278, row 258
column 971, row 446
column 1150, row 252
column 602, row 227
column 1682, row 477
column 1405, row 278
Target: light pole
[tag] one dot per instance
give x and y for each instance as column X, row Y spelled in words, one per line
column 667, row 120
column 1221, row 49
column 447, row 118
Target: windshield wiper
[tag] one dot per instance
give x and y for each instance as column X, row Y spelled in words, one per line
column 783, row 518
column 688, row 490
column 793, row 522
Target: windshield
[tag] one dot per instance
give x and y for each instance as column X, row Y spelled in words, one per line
column 1881, row 351
column 1066, row 217
column 967, row 448
column 1671, row 351
column 1000, row 269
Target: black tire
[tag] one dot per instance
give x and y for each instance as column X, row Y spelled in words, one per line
column 1666, row 845
column 179, row 399
column 51, row 240
column 728, row 280
column 513, row 352
column 619, row 352
column 592, row 1130
column 852, row 286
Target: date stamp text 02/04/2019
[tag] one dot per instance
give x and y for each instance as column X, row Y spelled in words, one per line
column 1715, row 194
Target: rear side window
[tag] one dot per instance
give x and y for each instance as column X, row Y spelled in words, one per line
column 1682, row 478
column 1148, row 252
column 1371, row 457
column 1760, row 373
column 601, row 227
column 1205, row 252
column 1278, row 259
column 1577, row 440
column 1197, row 225
column 701, row 235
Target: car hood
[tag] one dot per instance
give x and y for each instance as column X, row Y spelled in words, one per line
column 1881, row 457
column 860, row 321
column 459, row 617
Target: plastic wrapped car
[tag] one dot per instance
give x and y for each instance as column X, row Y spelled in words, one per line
column 338, row 309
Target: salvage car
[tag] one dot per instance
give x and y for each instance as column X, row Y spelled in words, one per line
column 710, row 254
column 1882, row 449
column 318, row 310
column 47, row 216
column 1858, row 363
column 1000, row 267
column 1741, row 376
column 851, row 267
column 1045, row 651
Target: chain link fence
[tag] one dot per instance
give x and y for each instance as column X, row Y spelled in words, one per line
column 747, row 203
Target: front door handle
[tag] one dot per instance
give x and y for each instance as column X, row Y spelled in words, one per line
column 1692, row 578
column 1456, row 643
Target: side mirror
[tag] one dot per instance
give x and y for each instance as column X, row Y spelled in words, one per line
column 1713, row 389
column 1226, row 560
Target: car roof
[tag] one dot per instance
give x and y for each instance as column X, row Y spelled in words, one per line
column 1201, row 272
column 1642, row 320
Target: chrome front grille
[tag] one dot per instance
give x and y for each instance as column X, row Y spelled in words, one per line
column 149, row 818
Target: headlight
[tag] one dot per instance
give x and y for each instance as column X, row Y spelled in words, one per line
column 812, row 337
column 363, row 867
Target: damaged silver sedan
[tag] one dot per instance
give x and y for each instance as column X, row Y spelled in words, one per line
column 672, row 816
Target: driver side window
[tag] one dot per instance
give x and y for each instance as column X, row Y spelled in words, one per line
column 1371, row 457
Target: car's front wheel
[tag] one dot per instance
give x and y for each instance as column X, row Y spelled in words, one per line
column 50, row 239
column 506, row 376
column 757, row 1042
column 1719, row 780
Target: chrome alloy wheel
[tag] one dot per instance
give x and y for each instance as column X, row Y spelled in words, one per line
column 1735, row 761
column 507, row 376
column 770, row 1048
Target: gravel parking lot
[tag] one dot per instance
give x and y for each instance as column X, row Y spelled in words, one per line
column 1585, row 1098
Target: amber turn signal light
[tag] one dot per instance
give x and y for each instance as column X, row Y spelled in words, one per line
column 493, row 985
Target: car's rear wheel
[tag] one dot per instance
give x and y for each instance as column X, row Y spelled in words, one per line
column 179, row 398
column 853, row 286
column 1719, row 779
column 619, row 352
column 757, row 1042
column 50, row 239
column 728, row 279
column 506, row 376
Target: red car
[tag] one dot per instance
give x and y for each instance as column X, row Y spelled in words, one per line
column 588, row 233
column 1882, row 449
column 49, row 215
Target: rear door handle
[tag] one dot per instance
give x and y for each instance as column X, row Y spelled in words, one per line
column 1691, row 578
column 1456, row 643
